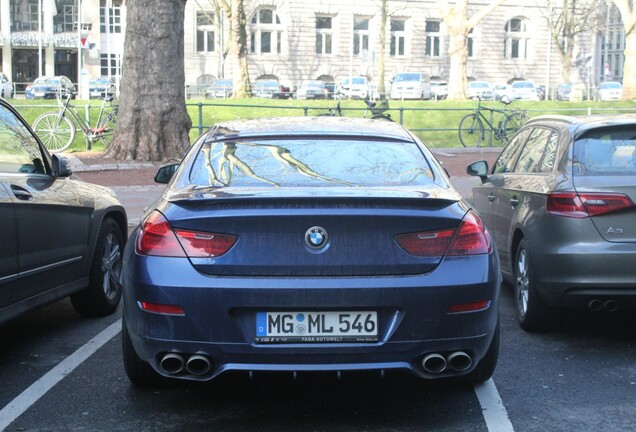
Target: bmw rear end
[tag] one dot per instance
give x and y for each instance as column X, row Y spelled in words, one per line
column 311, row 244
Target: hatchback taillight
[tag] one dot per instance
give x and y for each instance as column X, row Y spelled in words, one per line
column 157, row 238
column 582, row 205
column 470, row 238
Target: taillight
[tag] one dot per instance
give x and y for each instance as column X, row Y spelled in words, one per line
column 574, row 205
column 157, row 238
column 469, row 239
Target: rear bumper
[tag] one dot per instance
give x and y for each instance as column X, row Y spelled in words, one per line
column 573, row 275
column 220, row 317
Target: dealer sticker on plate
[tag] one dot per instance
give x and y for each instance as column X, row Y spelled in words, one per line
column 316, row 327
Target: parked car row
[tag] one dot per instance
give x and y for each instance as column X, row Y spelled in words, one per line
column 415, row 85
column 52, row 87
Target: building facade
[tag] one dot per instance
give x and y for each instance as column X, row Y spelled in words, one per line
column 45, row 38
column 295, row 40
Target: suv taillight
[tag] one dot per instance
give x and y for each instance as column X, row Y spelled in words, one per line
column 470, row 238
column 582, row 205
column 157, row 238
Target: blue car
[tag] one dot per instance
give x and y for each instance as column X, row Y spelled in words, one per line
column 50, row 88
column 309, row 244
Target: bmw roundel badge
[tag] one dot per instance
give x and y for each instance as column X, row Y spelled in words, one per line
column 316, row 237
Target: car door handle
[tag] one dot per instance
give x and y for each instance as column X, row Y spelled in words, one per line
column 491, row 197
column 21, row 193
column 514, row 202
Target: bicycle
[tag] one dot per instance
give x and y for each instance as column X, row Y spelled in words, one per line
column 377, row 109
column 57, row 129
column 333, row 112
column 471, row 126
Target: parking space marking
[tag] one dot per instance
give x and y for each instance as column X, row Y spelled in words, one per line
column 31, row 395
column 492, row 407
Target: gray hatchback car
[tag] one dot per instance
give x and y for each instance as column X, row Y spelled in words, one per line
column 559, row 202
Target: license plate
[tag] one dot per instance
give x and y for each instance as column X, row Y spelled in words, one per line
column 316, row 327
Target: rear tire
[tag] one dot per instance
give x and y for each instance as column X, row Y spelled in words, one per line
column 56, row 135
column 532, row 313
column 139, row 372
column 486, row 367
column 104, row 290
column 471, row 131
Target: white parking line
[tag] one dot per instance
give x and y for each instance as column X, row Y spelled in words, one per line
column 492, row 407
column 31, row 395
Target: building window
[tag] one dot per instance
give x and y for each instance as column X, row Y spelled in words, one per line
column 398, row 37
column 360, row 35
column 110, row 65
column 110, row 14
column 266, row 32
column 205, row 31
column 24, row 15
column 470, row 44
column 66, row 18
column 433, row 38
column 516, row 43
column 324, row 35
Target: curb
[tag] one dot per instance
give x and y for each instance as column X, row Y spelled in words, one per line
column 78, row 166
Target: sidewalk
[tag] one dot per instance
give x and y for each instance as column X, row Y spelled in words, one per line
column 133, row 182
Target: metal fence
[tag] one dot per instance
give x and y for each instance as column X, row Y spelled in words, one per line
column 402, row 115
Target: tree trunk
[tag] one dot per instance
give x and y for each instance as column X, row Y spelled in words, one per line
column 152, row 123
column 626, row 7
column 629, row 68
column 235, row 12
column 458, row 25
column 382, row 54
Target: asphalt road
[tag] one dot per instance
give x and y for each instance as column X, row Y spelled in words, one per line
column 581, row 377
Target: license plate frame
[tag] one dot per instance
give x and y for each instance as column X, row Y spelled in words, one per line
column 348, row 326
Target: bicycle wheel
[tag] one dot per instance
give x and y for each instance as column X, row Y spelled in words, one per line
column 56, row 133
column 471, row 131
column 107, row 127
column 512, row 124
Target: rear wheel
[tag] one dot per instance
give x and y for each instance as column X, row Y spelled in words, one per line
column 532, row 313
column 103, row 293
column 139, row 372
column 56, row 133
column 486, row 367
column 471, row 131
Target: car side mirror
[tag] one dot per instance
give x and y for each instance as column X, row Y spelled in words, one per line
column 165, row 173
column 61, row 166
column 478, row 169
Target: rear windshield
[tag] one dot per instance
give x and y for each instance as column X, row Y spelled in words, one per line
column 606, row 152
column 310, row 163
column 408, row 77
